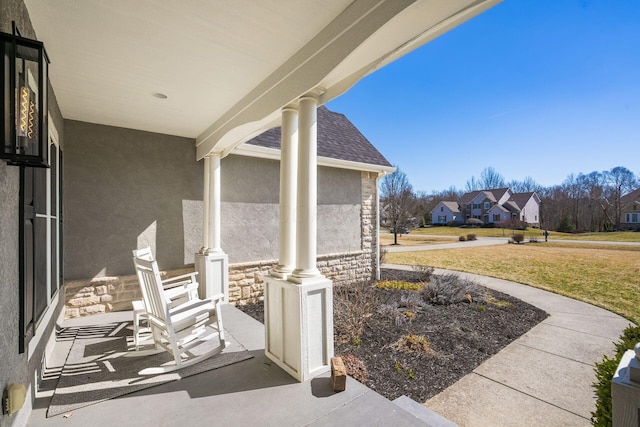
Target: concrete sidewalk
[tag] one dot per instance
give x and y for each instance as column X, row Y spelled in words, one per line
column 543, row 378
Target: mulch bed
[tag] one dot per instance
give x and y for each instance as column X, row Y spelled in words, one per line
column 459, row 337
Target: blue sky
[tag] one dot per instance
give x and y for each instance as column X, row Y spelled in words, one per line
column 539, row 88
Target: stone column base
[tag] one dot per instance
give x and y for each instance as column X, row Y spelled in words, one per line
column 299, row 325
column 213, row 274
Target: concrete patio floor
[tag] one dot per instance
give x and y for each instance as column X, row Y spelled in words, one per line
column 254, row 392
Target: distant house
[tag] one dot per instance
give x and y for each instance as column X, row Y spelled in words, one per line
column 630, row 211
column 490, row 206
column 446, row 212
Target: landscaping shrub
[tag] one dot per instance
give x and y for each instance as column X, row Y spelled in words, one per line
column 462, row 238
column 399, row 284
column 471, row 237
column 566, row 226
column 393, row 313
column 475, row 222
column 353, row 306
column 602, row 416
column 450, row 289
column 383, row 255
column 518, row 238
column 423, row 272
column 403, row 310
column 412, row 344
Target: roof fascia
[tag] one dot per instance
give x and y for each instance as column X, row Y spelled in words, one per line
column 250, row 150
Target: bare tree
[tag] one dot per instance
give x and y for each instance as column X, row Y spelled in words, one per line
column 490, row 178
column 620, row 181
column 398, row 201
column 527, row 185
column 472, row 185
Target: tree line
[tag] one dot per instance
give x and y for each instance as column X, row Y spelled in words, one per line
column 582, row 202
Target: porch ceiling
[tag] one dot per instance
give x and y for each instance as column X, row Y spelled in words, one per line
column 227, row 67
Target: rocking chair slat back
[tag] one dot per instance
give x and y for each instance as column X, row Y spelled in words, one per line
column 152, row 290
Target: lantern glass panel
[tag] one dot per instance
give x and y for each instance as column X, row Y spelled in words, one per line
column 27, row 102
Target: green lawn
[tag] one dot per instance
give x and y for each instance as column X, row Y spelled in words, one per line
column 606, row 276
column 616, row 236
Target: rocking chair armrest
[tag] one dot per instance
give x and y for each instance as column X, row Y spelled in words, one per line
column 179, row 291
column 216, row 298
column 179, row 280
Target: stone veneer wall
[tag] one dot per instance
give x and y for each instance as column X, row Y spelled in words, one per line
column 105, row 294
column 246, row 280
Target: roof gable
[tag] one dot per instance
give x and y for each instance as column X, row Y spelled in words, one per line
column 493, row 195
column 630, row 197
column 338, row 139
column 450, row 205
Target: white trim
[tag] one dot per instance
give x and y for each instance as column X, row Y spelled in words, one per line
column 274, row 154
column 380, row 175
column 43, row 323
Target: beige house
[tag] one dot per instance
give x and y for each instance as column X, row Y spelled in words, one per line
column 630, row 211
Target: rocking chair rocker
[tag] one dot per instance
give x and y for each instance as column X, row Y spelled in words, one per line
column 177, row 329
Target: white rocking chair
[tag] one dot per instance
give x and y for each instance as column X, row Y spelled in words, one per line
column 180, row 328
column 178, row 289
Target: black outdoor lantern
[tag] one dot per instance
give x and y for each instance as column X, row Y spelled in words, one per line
column 23, row 129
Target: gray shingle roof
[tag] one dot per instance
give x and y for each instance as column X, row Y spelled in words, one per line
column 521, row 199
column 494, row 195
column 338, row 139
column 630, row 197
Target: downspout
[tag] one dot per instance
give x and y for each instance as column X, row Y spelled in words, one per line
column 380, row 175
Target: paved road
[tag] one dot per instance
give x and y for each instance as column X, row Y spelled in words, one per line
column 489, row 241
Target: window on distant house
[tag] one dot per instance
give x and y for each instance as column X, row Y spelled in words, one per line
column 634, row 217
column 442, row 219
column 486, row 205
column 496, row 217
column 441, row 208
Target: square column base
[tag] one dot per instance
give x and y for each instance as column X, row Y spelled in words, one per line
column 299, row 325
column 213, row 274
column 625, row 393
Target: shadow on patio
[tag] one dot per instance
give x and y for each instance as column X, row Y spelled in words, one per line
column 250, row 392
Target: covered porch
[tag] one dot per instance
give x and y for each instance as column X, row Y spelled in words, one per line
column 250, row 392
column 187, row 84
column 221, row 77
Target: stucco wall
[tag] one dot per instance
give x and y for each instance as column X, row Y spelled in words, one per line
column 15, row 367
column 250, row 195
column 124, row 188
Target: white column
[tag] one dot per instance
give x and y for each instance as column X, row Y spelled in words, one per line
column 214, row 228
column 211, row 263
column 299, row 307
column 205, row 208
column 288, row 192
column 306, row 221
